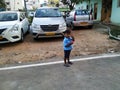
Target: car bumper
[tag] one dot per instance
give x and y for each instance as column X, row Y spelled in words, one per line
column 82, row 23
column 43, row 34
column 10, row 37
column 47, row 35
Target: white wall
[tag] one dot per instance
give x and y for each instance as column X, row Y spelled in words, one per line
column 115, row 16
column 16, row 4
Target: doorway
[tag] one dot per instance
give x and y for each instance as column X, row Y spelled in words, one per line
column 95, row 10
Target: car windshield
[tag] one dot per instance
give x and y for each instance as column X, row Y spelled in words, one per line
column 8, row 16
column 82, row 12
column 48, row 13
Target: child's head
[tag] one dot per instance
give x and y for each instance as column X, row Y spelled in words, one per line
column 67, row 33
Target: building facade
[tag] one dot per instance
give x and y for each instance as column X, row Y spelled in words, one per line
column 115, row 15
column 93, row 5
column 33, row 4
column 112, row 14
column 19, row 4
column 14, row 4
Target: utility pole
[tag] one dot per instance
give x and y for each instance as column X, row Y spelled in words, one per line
column 25, row 7
column 14, row 4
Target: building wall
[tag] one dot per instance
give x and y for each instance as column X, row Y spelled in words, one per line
column 84, row 4
column 8, row 6
column 99, row 7
column 15, row 4
column 115, row 16
column 33, row 4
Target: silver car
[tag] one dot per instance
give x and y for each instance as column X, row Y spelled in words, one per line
column 47, row 22
column 79, row 18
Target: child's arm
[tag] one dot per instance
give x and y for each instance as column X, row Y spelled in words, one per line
column 69, row 44
column 72, row 41
column 73, row 38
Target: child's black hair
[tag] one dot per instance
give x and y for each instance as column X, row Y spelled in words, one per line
column 67, row 32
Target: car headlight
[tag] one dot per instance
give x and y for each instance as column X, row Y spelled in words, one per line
column 35, row 26
column 62, row 25
column 14, row 28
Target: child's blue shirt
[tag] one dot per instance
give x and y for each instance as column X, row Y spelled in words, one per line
column 66, row 41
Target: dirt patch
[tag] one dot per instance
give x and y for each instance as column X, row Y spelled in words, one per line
column 87, row 42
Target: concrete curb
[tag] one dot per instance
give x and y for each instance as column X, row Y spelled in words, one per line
column 109, row 30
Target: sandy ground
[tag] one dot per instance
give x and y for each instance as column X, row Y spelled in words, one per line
column 87, row 42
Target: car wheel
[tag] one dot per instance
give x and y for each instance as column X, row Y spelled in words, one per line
column 28, row 31
column 35, row 39
column 90, row 27
column 22, row 36
column 72, row 26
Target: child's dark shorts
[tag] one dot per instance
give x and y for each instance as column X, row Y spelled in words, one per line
column 67, row 53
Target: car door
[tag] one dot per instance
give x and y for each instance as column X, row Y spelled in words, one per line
column 24, row 22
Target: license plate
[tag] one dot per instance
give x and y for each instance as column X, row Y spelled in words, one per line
column 1, row 37
column 84, row 23
column 50, row 33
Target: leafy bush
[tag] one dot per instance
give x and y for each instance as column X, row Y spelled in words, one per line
column 115, row 31
column 30, row 19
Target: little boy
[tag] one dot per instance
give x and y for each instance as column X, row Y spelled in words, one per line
column 67, row 46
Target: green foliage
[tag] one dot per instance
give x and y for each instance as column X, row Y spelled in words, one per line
column 2, row 4
column 115, row 32
column 30, row 19
column 73, row 2
column 64, row 9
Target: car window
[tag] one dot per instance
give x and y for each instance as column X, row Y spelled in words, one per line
column 22, row 16
column 48, row 13
column 8, row 16
column 82, row 12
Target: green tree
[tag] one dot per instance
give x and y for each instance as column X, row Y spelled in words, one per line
column 2, row 4
column 71, row 3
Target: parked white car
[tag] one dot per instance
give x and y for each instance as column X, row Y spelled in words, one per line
column 48, row 22
column 13, row 26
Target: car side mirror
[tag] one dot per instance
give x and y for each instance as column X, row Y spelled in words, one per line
column 31, row 14
column 67, row 15
column 21, row 19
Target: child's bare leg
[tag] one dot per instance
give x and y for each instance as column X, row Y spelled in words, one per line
column 69, row 62
column 65, row 60
column 65, row 63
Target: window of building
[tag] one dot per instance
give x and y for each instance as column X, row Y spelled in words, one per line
column 8, row 3
column 33, row 2
column 8, row 9
column 118, row 3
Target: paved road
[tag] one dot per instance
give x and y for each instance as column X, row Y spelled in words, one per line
column 102, row 73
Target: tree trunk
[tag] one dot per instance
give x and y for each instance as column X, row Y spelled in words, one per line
column 106, row 10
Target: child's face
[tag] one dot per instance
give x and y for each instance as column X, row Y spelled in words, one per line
column 67, row 35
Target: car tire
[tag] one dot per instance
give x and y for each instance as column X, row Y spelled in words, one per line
column 72, row 26
column 90, row 27
column 28, row 31
column 22, row 36
column 35, row 39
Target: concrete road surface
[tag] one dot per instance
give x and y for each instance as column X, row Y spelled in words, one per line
column 89, row 73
